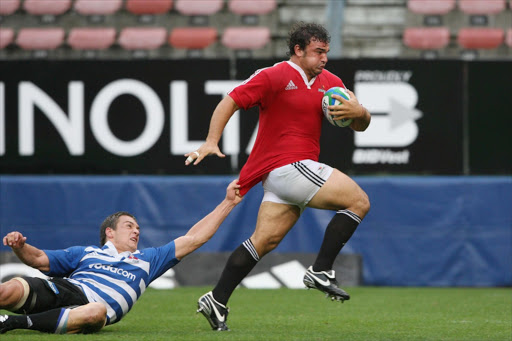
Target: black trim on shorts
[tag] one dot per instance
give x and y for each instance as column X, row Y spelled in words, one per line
column 308, row 174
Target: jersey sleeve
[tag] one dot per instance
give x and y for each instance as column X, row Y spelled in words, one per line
column 161, row 259
column 64, row 262
column 252, row 91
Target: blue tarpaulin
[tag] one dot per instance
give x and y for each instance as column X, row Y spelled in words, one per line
column 421, row 231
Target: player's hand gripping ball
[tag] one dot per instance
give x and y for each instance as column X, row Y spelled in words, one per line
column 329, row 100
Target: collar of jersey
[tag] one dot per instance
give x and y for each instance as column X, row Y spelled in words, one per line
column 302, row 73
column 111, row 250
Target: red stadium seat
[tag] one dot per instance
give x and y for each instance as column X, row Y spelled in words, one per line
column 97, row 7
column 6, row 37
column 438, row 7
column 509, row 37
column 142, row 38
column 8, row 7
column 44, row 7
column 40, row 38
column 244, row 7
column 141, row 7
column 192, row 37
column 480, row 38
column 246, row 38
column 91, row 38
column 198, row 7
column 482, row 6
column 426, row 38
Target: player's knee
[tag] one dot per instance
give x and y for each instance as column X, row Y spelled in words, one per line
column 361, row 206
column 94, row 318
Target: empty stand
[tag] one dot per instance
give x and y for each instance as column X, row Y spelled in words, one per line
column 46, row 7
column 480, row 38
column 192, row 37
column 426, row 38
column 91, row 38
column 246, row 38
column 6, row 37
column 8, row 7
column 142, row 38
column 438, row 7
column 97, row 7
column 482, row 6
column 198, row 7
column 244, row 7
column 40, row 38
column 141, row 7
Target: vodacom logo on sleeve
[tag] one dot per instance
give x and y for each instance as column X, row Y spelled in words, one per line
column 391, row 100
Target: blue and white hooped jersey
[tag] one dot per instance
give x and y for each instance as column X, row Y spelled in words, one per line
column 114, row 279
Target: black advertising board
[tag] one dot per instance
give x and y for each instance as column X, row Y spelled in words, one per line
column 107, row 117
column 490, row 117
column 141, row 116
column 417, row 117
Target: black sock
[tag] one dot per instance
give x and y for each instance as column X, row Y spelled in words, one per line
column 47, row 321
column 239, row 264
column 44, row 322
column 338, row 232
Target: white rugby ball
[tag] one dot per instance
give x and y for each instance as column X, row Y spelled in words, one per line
column 327, row 100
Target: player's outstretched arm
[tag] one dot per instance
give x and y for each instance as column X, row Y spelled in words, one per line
column 27, row 253
column 203, row 230
column 221, row 115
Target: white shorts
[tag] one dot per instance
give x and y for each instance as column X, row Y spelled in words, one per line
column 296, row 183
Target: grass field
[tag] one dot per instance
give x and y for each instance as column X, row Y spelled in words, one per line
column 373, row 313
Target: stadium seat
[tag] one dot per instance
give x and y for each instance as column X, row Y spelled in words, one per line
column 142, row 38
column 192, row 37
column 8, row 7
column 91, row 38
column 40, row 38
column 438, row 7
column 6, row 37
column 46, row 7
column 426, row 38
column 97, row 7
column 244, row 7
column 509, row 37
column 480, row 38
column 246, row 38
column 141, row 7
column 482, row 6
column 198, row 7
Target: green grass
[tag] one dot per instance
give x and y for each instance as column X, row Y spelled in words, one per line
column 373, row 313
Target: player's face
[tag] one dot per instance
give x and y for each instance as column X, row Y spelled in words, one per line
column 126, row 234
column 313, row 58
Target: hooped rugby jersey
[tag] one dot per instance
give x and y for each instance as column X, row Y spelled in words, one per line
column 290, row 118
column 114, row 279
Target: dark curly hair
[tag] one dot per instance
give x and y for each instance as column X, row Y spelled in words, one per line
column 111, row 221
column 302, row 33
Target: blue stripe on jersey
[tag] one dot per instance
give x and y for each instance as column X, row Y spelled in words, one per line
column 116, row 280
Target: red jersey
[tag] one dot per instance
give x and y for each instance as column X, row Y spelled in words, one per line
column 290, row 118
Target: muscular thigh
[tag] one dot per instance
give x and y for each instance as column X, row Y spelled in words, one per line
column 341, row 192
column 274, row 222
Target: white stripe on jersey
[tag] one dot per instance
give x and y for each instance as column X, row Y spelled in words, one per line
column 142, row 286
column 122, row 284
column 92, row 296
column 110, row 292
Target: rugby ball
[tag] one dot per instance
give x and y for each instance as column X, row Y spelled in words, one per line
column 327, row 100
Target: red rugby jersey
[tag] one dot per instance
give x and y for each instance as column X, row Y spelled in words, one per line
column 290, row 117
